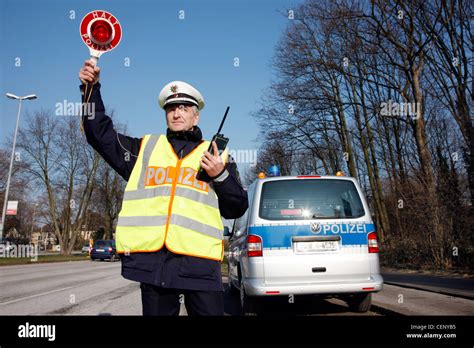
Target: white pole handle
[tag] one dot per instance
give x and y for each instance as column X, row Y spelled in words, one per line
column 94, row 60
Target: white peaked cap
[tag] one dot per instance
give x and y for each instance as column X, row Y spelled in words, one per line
column 180, row 92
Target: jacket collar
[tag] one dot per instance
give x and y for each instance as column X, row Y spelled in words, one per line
column 194, row 135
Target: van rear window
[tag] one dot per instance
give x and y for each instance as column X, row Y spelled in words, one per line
column 310, row 199
column 102, row 243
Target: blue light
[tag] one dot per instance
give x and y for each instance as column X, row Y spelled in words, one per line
column 274, row 170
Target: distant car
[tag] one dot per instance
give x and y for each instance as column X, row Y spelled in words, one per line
column 56, row 247
column 85, row 248
column 104, row 250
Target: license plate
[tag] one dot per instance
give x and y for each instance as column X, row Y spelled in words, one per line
column 99, row 250
column 307, row 247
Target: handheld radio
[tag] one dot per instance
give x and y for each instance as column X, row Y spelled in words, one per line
column 221, row 142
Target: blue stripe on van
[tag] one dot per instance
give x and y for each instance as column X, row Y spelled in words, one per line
column 280, row 236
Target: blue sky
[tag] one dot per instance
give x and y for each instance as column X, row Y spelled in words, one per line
column 161, row 47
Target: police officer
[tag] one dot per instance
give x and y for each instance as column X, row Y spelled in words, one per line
column 169, row 231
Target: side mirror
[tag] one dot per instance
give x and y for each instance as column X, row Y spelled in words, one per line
column 226, row 231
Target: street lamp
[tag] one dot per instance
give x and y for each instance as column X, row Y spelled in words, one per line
column 33, row 222
column 4, row 211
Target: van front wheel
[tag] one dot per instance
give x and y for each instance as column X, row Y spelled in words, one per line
column 359, row 303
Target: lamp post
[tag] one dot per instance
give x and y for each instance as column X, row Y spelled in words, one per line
column 4, row 211
column 33, row 222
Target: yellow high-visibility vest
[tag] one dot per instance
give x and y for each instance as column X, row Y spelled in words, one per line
column 165, row 205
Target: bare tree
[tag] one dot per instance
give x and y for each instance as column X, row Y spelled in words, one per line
column 337, row 67
column 60, row 160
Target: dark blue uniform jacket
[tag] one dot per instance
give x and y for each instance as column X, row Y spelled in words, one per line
column 164, row 268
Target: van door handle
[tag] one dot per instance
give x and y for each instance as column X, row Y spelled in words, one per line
column 319, row 269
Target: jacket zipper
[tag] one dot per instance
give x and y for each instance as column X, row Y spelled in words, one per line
column 173, row 189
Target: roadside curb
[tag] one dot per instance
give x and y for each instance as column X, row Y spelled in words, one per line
column 422, row 288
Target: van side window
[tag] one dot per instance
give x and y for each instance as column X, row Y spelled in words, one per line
column 240, row 225
column 242, row 222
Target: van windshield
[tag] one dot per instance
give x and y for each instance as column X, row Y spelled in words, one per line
column 310, row 199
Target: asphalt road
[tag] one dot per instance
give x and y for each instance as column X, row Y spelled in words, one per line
column 97, row 288
column 458, row 286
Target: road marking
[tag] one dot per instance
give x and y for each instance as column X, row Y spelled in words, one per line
column 32, row 296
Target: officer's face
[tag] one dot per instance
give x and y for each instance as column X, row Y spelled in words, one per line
column 181, row 117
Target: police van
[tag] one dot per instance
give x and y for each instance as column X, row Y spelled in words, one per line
column 304, row 235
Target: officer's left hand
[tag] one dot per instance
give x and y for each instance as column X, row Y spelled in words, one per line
column 213, row 165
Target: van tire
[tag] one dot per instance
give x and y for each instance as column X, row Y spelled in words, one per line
column 360, row 303
column 250, row 306
column 233, row 291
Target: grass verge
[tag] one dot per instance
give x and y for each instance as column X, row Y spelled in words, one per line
column 7, row 261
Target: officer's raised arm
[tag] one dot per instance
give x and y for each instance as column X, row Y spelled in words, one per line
column 118, row 150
